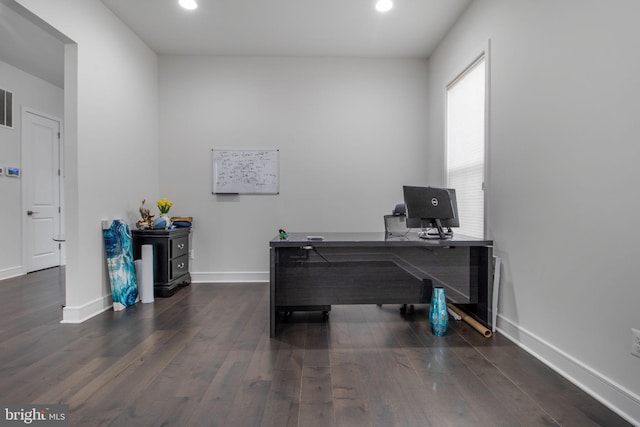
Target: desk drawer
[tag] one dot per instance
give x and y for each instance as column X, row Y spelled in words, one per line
column 179, row 266
column 179, row 247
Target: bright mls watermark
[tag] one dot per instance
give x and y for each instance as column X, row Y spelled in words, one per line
column 35, row 415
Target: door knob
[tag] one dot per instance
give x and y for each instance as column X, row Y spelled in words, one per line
column 31, row 212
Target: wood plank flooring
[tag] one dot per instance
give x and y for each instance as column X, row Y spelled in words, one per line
column 204, row 358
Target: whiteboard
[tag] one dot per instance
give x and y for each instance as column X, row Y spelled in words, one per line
column 245, row 171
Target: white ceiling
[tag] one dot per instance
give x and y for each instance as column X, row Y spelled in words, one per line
column 291, row 27
column 353, row 28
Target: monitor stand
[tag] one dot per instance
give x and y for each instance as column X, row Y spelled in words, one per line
column 439, row 227
column 440, row 233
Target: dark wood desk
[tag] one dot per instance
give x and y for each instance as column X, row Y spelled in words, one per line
column 372, row 268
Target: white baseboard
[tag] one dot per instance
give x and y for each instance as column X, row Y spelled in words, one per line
column 8, row 273
column 616, row 397
column 81, row 313
column 93, row 308
column 230, row 277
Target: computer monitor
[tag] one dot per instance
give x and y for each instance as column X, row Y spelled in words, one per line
column 428, row 207
column 446, row 223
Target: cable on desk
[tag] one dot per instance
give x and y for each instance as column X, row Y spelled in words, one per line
column 310, row 247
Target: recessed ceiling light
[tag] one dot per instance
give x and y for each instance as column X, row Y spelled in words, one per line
column 384, row 5
column 188, row 4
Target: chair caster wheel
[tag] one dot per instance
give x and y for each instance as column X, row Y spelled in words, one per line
column 407, row 309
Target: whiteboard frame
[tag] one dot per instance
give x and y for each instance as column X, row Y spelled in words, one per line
column 214, row 172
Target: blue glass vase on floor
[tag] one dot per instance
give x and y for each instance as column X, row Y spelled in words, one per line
column 438, row 315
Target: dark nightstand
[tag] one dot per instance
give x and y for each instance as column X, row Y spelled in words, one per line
column 170, row 257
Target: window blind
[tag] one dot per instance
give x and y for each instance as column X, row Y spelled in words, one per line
column 465, row 130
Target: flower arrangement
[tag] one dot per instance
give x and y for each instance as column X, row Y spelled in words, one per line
column 164, row 205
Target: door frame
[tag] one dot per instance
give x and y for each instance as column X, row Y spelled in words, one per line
column 25, row 188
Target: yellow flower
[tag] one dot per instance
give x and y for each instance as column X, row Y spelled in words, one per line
column 164, row 205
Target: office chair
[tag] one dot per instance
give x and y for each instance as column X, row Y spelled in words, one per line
column 395, row 226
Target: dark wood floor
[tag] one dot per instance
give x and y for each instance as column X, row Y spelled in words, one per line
column 204, row 358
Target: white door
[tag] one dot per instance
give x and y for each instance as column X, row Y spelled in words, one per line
column 41, row 180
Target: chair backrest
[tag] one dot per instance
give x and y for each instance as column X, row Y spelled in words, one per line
column 395, row 225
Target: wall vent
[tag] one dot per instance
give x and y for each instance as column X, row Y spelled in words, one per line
column 6, row 108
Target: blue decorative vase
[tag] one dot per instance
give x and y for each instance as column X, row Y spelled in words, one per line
column 438, row 315
column 162, row 221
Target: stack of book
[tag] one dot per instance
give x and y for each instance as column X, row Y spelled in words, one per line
column 181, row 221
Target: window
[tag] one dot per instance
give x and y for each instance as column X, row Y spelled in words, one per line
column 465, row 141
column 6, row 108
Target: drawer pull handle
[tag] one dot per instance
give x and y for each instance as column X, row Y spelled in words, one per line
column 181, row 246
column 181, row 265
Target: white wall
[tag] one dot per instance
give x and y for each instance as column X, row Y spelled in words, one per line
column 111, row 160
column 350, row 133
column 40, row 96
column 563, row 179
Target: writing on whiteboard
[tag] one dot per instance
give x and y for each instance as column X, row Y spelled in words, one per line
column 245, row 171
